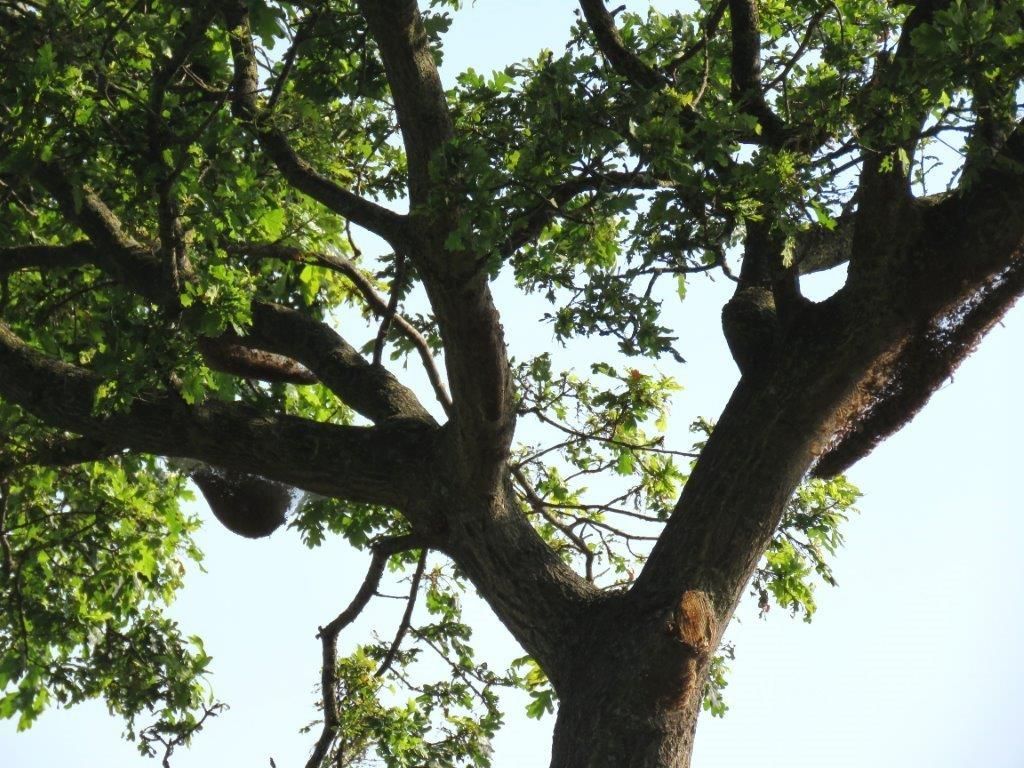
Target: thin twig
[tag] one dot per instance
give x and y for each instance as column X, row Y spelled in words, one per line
column 5, row 546
column 44, row 312
column 392, row 308
column 541, row 507
column 328, row 636
column 301, row 35
column 403, row 627
column 710, row 29
column 651, row 447
column 152, row 733
column 812, row 27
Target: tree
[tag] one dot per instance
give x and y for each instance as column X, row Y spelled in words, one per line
column 185, row 192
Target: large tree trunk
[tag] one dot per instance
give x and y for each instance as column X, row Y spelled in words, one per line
column 634, row 693
column 634, row 685
column 617, row 731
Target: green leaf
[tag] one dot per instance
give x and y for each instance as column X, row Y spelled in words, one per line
column 272, row 221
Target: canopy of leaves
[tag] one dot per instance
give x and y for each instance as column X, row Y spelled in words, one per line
column 151, row 207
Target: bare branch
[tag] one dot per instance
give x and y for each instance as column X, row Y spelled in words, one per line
column 328, row 636
column 650, row 447
column 288, row 60
column 541, row 508
column 392, row 308
column 405, row 623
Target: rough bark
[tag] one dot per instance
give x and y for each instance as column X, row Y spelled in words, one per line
column 633, row 691
column 629, row 667
column 541, row 601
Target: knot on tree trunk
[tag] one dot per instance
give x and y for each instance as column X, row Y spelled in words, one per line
column 751, row 326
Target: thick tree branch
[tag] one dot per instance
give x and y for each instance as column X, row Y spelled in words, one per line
column 245, row 104
column 46, row 257
column 458, row 289
column 777, row 420
column 224, row 354
column 766, row 300
column 416, row 87
column 747, row 90
column 940, row 285
column 948, row 286
column 922, row 366
column 377, row 303
column 821, row 248
column 160, row 139
column 369, row 389
column 942, row 250
column 239, row 359
column 115, row 251
column 58, row 453
column 484, row 529
column 886, row 212
column 611, row 45
column 373, row 465
column 487, row 534
column 531, row 589
column 966, row 270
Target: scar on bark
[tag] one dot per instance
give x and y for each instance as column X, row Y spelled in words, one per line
column 693, row 621
column 690, row 627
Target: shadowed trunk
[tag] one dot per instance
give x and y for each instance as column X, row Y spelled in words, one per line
column 634, row 692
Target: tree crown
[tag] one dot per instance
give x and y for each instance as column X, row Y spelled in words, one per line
column 195, row 199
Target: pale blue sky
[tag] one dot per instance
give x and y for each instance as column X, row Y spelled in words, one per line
column 912, row 661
